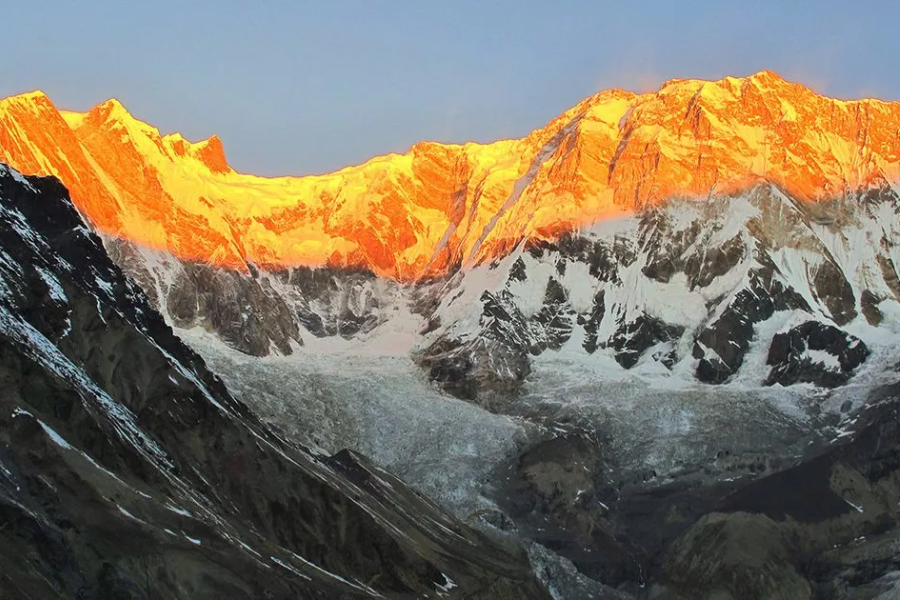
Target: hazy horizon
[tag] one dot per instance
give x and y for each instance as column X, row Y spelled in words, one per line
column 302, row 88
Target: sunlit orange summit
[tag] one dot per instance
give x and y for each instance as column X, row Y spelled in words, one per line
column 440, row 205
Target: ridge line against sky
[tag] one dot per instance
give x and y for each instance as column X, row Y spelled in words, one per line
column 301, row 88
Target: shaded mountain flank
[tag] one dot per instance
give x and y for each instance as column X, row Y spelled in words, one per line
column 127, row 470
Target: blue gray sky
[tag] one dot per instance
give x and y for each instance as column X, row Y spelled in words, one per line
column 306, row 87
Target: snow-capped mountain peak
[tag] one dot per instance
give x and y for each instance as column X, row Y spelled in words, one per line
column 423, row 213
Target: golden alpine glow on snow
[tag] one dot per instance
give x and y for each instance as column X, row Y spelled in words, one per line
column 439, row 205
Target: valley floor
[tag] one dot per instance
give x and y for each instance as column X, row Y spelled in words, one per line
column 653, row 430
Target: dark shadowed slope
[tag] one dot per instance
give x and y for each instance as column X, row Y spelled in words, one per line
column 127, row 470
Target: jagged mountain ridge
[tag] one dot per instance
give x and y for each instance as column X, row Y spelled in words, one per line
column 438, row 206
column 127, row 470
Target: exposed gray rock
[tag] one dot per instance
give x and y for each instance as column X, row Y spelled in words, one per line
column 242, row 310
column 825, row 528
column 791, row 362
column 240, row 307
column 632, row 339
column 554, row 322
column 834, row 291
column 722, row 345
column 557, row 494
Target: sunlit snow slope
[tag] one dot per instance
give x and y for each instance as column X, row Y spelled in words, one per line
column 438, row 206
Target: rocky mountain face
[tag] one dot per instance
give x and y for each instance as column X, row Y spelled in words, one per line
column 685, row 303
column 439, row 206
column 756, row 287
column 127, row 470
column 825, row 528
column 744, row 292
column 678, row 223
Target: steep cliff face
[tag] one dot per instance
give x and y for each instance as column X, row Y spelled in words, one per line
column 438, row 206
column 756, row 288
column 127, row 470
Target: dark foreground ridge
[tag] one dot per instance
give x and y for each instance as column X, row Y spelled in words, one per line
column 127, row 470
